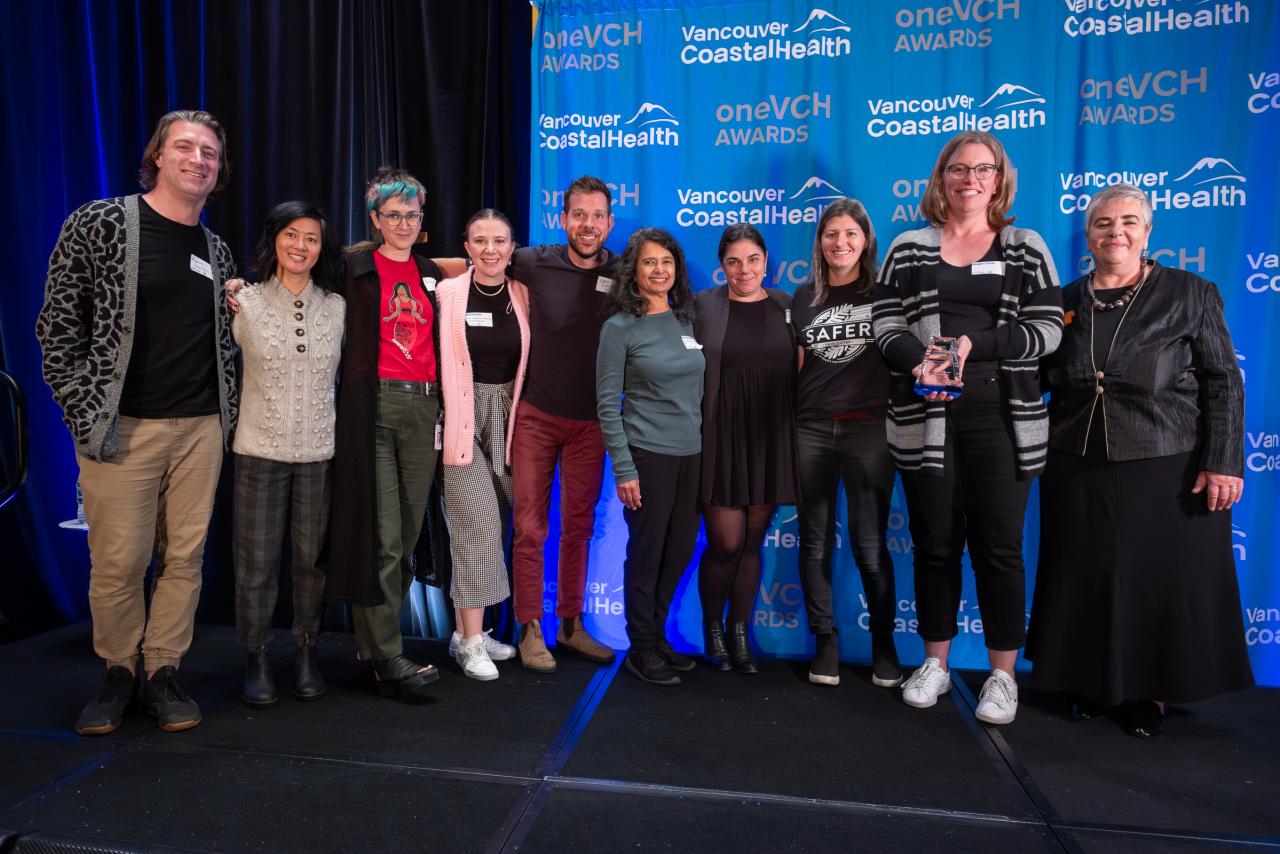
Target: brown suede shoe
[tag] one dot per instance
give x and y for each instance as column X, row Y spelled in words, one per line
column 533, row 649
column 575, row 637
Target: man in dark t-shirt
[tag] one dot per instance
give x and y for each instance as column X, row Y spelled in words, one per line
column 556, row 419
column 136, row 346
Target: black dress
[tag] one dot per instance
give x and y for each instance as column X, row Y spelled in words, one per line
column 1136, row 594
column 755, row 434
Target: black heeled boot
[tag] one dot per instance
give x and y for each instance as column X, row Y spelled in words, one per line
column 717, row 654
column 259, row 680
column 885, row 670
column 740, row 654
column 308, row 684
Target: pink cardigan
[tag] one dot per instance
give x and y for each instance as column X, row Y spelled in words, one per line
column 455, row 366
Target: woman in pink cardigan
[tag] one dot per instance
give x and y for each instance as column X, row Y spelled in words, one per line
column 484, row 346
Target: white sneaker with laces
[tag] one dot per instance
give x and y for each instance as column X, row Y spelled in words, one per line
column 496, row 649
column 474, row 661
column 998, row 702
column 926, row 685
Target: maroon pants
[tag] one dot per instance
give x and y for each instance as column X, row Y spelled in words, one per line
column 541, row 440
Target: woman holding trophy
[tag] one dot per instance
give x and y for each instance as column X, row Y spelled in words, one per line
column 964, row 310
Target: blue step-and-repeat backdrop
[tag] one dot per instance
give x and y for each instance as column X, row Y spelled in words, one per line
column 704, row 113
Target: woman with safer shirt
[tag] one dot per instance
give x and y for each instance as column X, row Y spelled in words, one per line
column 649, row 372
column 388, row 404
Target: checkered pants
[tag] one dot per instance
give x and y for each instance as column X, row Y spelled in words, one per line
column 477, row 499
column 269, row 494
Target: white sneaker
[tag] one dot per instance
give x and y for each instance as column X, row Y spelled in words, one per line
column 926, row 685
column 474, row 661
column 496, row 650
column 998, row 702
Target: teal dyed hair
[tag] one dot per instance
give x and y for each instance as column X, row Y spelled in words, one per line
column 391, row 183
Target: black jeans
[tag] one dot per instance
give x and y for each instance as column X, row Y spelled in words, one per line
column 981, row 500
column 856, row 453
column 661, row 536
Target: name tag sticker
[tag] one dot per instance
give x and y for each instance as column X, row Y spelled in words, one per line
column 690, row 343
column 479, row 318
column 429, row 283
column 201, row 266
column 604, row 284
column 987, row 268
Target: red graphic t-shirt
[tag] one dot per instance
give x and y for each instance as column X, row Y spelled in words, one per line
column 405, row 351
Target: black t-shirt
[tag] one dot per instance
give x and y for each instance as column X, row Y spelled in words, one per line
column 1105, row 324
column 969, row 300
column 756, row 337
column 493, row 336
column 843, row 370
column 566, row 311
column 173, row 367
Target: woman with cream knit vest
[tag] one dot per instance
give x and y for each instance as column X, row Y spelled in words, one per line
column 289, row 329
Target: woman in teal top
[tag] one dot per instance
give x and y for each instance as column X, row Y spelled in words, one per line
column 649, row 397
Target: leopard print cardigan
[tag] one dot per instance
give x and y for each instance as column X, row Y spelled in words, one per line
column 85, row 327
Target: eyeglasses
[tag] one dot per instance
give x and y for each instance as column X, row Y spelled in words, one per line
column 394, row 218
column 960, row 171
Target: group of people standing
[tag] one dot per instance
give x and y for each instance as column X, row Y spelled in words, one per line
column 360, row 373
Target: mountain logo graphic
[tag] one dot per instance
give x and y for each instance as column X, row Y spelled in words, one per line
column 653, row 114
column 828, row 22
column 816, row 186
column 1213, row 169
column 1021, row 94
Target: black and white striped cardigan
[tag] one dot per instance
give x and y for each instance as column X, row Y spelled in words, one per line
column 1028, row 325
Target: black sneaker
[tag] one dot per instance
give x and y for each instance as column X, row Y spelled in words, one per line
column 169, row 703
column 825, row 667
column 103, row 714
column 648, row 665
column 677, row 660
column 885, row 670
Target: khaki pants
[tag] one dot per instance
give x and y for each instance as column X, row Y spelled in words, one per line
column 156, row 494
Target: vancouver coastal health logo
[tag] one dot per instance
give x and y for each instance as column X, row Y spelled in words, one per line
column 1211, row 182
column 650, row 125
column 718, row 206
column 822, row 34
column 1011, row 106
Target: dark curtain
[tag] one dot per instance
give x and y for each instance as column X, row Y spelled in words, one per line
column 315, row 95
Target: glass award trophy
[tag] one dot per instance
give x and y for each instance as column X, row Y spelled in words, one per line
column 940, row 369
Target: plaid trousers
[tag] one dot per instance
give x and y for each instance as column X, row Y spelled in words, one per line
column 269, row 494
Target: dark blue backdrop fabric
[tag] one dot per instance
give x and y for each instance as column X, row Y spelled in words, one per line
column 314, row 97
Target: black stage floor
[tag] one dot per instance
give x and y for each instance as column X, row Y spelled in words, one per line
column 590, row 759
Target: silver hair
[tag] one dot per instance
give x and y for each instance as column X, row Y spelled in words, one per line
column 1114, row 193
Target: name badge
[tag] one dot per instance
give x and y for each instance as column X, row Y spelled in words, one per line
column 429, row 283
column 690, row 343
column 987, row 268
column 604, row 284
column 479, row 318
column 201, row 266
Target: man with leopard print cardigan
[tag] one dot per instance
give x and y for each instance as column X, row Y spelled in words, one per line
column 137, row 350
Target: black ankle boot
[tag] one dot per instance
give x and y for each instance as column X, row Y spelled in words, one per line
column 740, row 652
column 308, row 684
column 825, row 667
column 885, row 670
column 259, row 680
column 717, row 654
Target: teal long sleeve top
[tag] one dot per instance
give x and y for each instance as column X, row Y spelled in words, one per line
column 648, row 388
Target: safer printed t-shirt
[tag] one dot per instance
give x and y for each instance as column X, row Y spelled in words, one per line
column 843, row 370
column 406, row 350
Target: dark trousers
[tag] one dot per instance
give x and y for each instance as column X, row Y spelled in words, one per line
column 405, row 464
column 979, row 500
column 855, row 453
column 661, row 535
column 270, row 497
column 540, row 441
